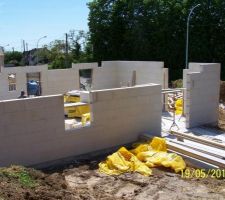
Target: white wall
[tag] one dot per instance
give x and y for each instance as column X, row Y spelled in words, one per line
column 112, row 74
column 105, row 78
column 62, row 80
column 85, row 65
column 119, row 73
column 201, row 100
column 21, row 80
column 32, row 131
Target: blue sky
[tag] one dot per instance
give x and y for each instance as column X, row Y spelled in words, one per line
column 32, row 19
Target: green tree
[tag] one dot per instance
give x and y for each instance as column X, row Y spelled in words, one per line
column 156, row 30
column 14, row 57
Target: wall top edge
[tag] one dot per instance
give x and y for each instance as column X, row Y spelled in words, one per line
column 25, row 99
column 128, row 88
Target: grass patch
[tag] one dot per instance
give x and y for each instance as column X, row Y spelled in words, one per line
column 20, row 174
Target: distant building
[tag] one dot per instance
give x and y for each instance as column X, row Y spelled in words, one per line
column 31, row 58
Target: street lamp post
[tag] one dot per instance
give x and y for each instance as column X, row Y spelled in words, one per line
column 187, row 37
column 37, row 46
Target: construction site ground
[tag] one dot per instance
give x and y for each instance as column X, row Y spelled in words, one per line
column 83, row 181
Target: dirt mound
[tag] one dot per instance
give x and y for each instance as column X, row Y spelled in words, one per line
column 164, row 184
column 84, row 182
column 22, row 183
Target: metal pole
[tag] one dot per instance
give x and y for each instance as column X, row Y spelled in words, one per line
column 187, row 38
column 37, row 46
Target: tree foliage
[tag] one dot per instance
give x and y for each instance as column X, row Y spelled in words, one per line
column 54, row 54
column 79, row 50
column 13, row 58
column 156, row 30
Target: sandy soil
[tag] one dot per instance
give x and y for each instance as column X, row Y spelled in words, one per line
column 83, row 182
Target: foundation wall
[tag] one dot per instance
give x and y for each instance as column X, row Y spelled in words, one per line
column 62, row 80
column 32, row 131
column 121, row 74
column 85, row 65
column 202, row 83
column 56, row 81
column 112, row 74
column 21, row 80
column 105, row 78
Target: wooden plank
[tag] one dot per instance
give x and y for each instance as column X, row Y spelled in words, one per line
column 196, row 154
column 199, row 148
column 194, row 162
column 198, row 139
column 190, row 152
column 74, row 104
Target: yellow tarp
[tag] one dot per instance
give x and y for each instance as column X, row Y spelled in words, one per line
column 85, row 118
column 71, row 99
column 179, row 106
column 77, row 111
column 141, row 159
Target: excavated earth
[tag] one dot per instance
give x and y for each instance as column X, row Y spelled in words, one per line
column 82, row 181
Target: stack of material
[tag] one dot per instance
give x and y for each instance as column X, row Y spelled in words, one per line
column 206, row 153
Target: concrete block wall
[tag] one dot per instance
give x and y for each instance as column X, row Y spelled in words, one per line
column 128, row 111
column 201, row 100
column 32, row 131
column 62, row 80
column 119, row 74
column 21, row 80
column 27, row 126
column 112, row 74
column 146, row 72
column 85, row 65
column 56, row 81
column 105, row 78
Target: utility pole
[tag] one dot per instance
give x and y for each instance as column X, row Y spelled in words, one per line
column 27, row 46
column 24, row 46
column 67, row 52
column 187, row 36
column 66, row 43
column 13, row 49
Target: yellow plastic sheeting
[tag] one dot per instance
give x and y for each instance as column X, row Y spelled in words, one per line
column 85, row 118
column 141, row 159
column 158, row 144
column 71, row 99
column 179, row 106
column 123, row 161
column 77, row 111
column 154, row 159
